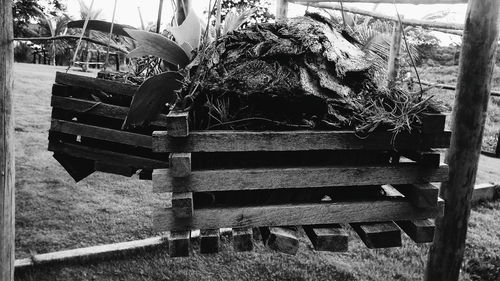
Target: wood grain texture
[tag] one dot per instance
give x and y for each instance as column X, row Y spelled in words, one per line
column 299, row 177
column 182, row 204
column 118, row 136
column 7, row 179
column 209, row 241
column 179, row 244
column 96, row 83
column 77, row 168
column 296, row 214
column 178, row 124
column 332, row 238
column 281, row 239
column 233, row 141
column 378, row 234
column 242, row 239
column 180, row 164
column 477, row 61
column 421, row 195
column 424, row 158
column 420, row 231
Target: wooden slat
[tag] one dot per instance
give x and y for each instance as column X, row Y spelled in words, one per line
column 81, row 151
column 332, row 238
column 378, row 234
column 421, row 195
column 99, row 109
column 299, row 177
column 433, row 122
column 180, row 164
column 95, row 83
column 298, row 214
column 182, row 204
column 77, row 168
column 233, row 141
column 242, row 239
column 177, row 124
column 209, row 241
column 420, row 231
column 281, row 239
column 114, row 169
column 78, row 129
column 179, row 243
column 424, row 158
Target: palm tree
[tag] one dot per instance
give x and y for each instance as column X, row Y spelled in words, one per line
column 92, row 14
column 52, row 27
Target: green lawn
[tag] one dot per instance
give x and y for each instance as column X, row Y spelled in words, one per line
column 54, row 213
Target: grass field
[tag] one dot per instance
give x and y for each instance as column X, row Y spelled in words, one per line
column 54, row 213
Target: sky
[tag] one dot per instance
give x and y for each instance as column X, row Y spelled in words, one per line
column 127, row 11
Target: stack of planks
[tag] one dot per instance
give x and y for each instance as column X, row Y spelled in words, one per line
column 85, row 134
column 280, row 183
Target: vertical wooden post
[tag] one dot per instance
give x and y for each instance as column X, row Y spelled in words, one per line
column 6, row 143
column 497, row 150
column 281, row 9
column 393, row 64
column 158, row 20
column 471, row 102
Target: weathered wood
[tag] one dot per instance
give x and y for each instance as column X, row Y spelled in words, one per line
column 99, row 109
column 81, row 151
column 178, row 124
column 179, row 243
column 180, row 164
column 378, row 234
column 242, row 239
column 96, row 83
column 233, row 141
column 114, row 169
column 477, row 62
column 331, row 238
column 281, row 9
column 84, row 130
column 145, row 174
column 485, row 192
column 182, row 204
column 281, row 239
column 420, row 231
column 296, row 214
column 421, row 195
column 209, row 241
column 424, row 158
column 297, row 177
column 77, row 168
column 7, row 179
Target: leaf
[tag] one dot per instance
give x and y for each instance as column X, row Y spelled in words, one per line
column 151, row 97
column 189, row 31
column 102, row 26
column 233, row 21
column 157, row 45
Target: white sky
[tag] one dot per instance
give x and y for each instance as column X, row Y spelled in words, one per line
column 127, row 12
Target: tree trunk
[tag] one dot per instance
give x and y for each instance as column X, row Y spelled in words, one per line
column 471, row 102
column 6, row 144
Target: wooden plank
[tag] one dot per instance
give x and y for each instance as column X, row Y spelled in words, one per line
column 180, row 164
column 433, row 122
column 96, row 83
column 296, row 214
column 378, row 234
column 77, row 168
column 81, row 151
column 234, row 141
column 114, row 169
column 7, row 169
column 209, row 241
column 421, row 195
column 242, row 239
column 298, row 177
column 281, row 239
column 420, row 231
column 332, row 238
column 179, row 243
column 118, row 136
column 145, row 174
column 99, row 109
column 182, row 204
column 424, row 158
column 178, row 124
column 485, row 192
column 60, row 90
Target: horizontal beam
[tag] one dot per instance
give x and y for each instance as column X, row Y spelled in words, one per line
column 415, row 2
column 104, row 85
column 299, row 177
column 297, row 214
column 74, row 37
column 236, row 141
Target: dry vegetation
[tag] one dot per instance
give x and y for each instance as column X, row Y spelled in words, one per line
column 54, row 213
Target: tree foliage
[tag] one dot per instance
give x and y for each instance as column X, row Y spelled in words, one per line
column 261, row 14
column 26, row 11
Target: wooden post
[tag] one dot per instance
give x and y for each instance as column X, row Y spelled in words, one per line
column 497, row 150
column 393, row 65
column 469, row 112
column 158, row 20
column 281, row 9
column 6, row 143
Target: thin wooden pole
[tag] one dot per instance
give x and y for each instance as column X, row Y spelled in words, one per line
column 469, row 112
column 281, row 9
column 393, row 64
column 7, row 171
column 158, row 20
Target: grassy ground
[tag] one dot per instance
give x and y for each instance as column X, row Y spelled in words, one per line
column 54, row 213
